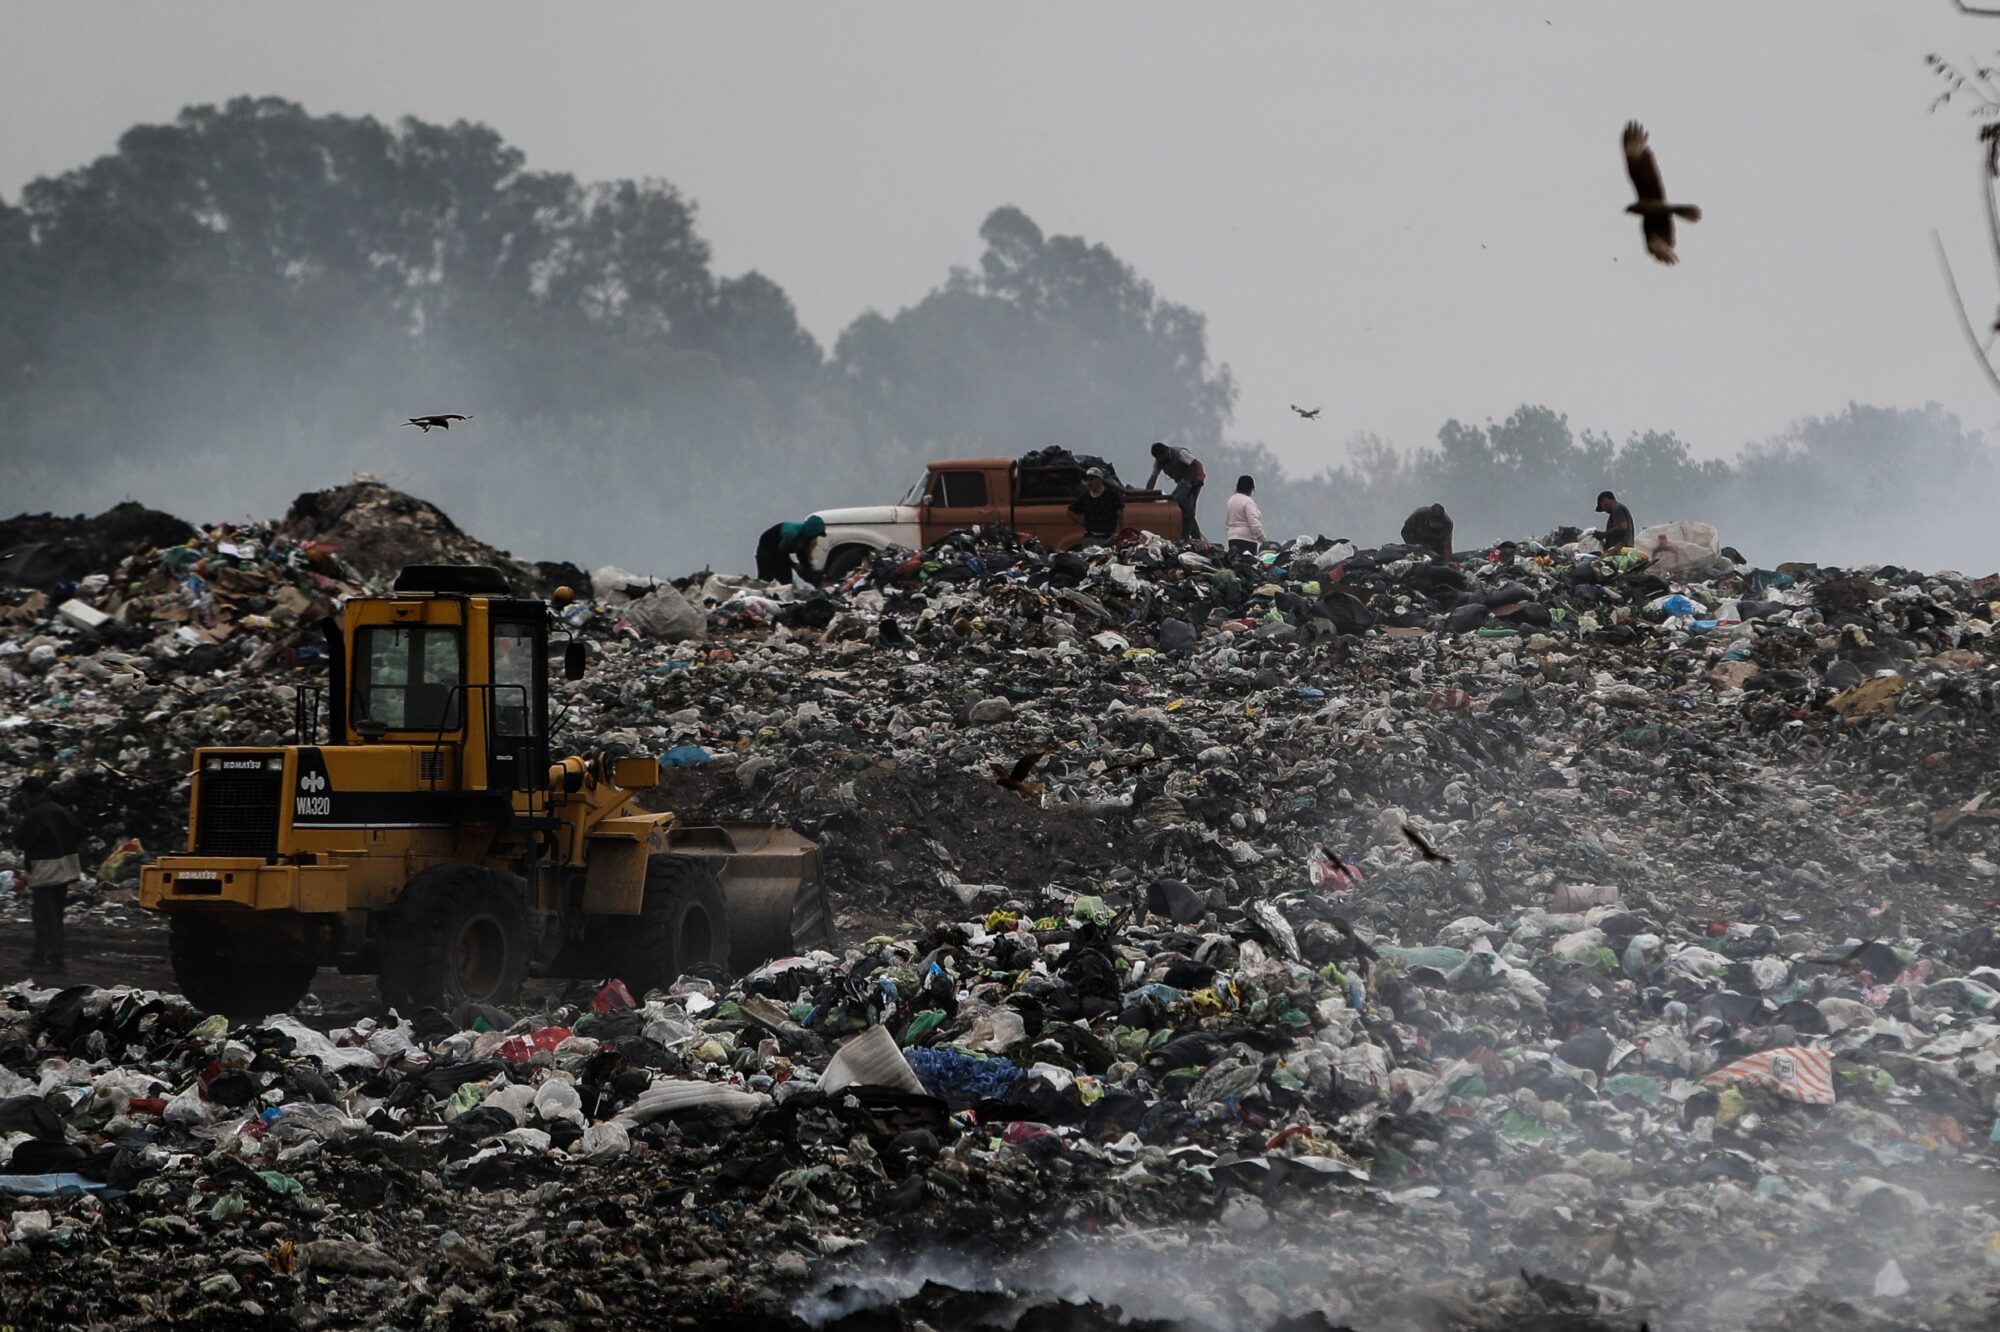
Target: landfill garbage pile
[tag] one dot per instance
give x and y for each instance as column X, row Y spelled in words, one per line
column 379, row 531
column 1328, row 938
column 112, row 672
column 41, row 550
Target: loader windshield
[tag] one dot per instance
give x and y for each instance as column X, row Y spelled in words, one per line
column 407, row 677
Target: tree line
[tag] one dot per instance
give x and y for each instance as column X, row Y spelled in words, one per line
column 245, row 303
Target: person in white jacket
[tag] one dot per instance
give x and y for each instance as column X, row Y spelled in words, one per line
column 1242, row 521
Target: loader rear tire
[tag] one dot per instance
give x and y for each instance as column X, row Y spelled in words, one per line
column 457, row 935
column 220, row 970
column 683, row 923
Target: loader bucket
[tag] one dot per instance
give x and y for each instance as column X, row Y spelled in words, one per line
column 771, row 884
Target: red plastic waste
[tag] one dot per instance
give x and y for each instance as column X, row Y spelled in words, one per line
column 520, row 1049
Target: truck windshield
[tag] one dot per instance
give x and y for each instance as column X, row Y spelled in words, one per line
column 407, row 677
column 915, row 494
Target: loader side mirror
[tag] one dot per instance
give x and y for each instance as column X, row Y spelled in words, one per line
column 573, row 660
column 635, row 773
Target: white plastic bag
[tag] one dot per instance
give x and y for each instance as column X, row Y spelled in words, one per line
column 1682, row 548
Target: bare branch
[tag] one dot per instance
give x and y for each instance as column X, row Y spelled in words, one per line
column 1976, row 11
column 1964, row 320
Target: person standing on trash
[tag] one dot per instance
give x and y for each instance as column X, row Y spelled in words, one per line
column 49, row 837
column 1101, row 507
column 783, row 543
column 1429, row 528
column 1618, row 530
column 1189, row 476
column 1242, row 520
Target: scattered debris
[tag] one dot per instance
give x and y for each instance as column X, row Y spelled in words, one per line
column 1712, row 984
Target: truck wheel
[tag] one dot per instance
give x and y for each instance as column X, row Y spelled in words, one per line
column 457, row 935
column 683, row 923
column 221, row 971
column 844, row 561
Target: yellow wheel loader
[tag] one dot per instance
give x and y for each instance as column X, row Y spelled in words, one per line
column 433, row 841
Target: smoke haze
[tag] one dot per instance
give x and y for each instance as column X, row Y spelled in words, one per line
column 243, row 300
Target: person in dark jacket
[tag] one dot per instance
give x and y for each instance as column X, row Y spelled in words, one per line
column 1618, row 530
column 783, row 543
column 1189, row 476
column 1429, row 528
column 1102, row 508
column 49, row 838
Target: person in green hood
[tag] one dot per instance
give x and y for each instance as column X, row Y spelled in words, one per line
column 784, row 543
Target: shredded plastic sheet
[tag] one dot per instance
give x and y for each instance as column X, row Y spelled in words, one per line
column 1794, row 1072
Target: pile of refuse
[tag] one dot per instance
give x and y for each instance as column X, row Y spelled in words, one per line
column 1069, row 1092
column 379, row 530
column 1326, row 937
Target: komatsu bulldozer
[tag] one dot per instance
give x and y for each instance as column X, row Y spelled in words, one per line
column 433, row 840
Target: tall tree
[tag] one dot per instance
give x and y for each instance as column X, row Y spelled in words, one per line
column 1053, row 340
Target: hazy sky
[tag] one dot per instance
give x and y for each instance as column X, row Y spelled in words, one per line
column 1399, row 213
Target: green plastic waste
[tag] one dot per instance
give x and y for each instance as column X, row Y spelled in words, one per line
column 1092, row 911
column 1433, row 955
column 1525, row 1128
column 1645, row 1088
column 1389, row 1164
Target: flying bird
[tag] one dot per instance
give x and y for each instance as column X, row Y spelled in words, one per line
column 1312, row 415
column 1327, row 867
column 1656, row 215
column 1424, row 849
column 442, row 421
column 1016, row 778
column 1870, row 955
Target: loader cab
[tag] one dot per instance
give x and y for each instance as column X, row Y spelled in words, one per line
column 452, row 663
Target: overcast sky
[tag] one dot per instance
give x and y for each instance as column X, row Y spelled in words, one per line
column 1399, row 213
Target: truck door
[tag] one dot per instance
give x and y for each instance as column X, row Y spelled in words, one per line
column 1041, row 504
column 958, row 498
column 519, row 715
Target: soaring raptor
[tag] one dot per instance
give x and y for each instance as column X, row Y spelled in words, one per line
column 1656, row 215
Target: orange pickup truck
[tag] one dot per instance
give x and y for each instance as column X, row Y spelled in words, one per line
column 975, row 492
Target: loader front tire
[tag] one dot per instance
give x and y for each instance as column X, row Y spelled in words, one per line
column 683, row 923
column 457, row 935
column 222, row 971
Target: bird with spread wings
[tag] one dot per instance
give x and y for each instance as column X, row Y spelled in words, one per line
column 1656, row 215
column 442, row 421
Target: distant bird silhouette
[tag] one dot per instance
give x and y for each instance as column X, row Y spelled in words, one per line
column 1870, row 955
column 1312, row 415
column 1335, row 869
column 1656, row 215
column 1424, row 849
column 442, row 421
column 1016, row 778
